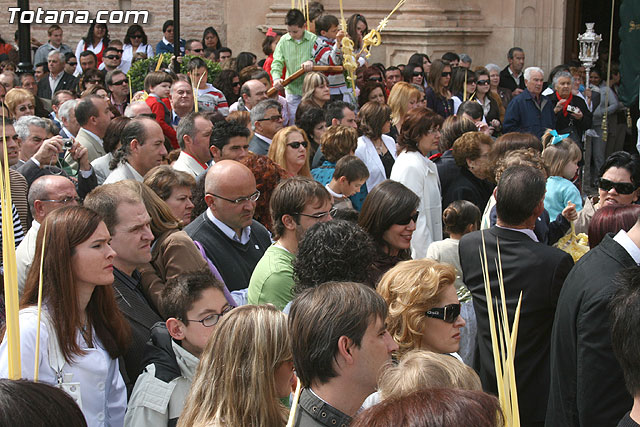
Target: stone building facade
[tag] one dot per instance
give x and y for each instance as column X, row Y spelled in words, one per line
column 484, row 29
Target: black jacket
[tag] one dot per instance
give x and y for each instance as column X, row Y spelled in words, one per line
column 507, row 82
column 587, row 385
column 538, row 271
column 466, row 186
column 66, row 82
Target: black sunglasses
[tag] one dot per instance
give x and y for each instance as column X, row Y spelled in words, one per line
column 296, row 144
column 621, row 187
column 483, row 82
column 235, row 84
column 407, row 220
column 446, row 74
column 198, row 50
column 118, row 83
column 73, row 64
column 375, row 79
column 448, row 313
column 112, row 56
column 136, row 36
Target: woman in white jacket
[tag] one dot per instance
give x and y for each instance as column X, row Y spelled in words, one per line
column 420, row 134
column 82, row 331
column 375, row 149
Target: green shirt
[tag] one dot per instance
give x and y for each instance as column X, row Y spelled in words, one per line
column 292, row 54
column 272, row 279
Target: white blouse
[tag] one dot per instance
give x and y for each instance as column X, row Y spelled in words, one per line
column 367, row 152
column 102, row 389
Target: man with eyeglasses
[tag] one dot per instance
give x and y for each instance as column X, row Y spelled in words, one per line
column 296, row 205
column 58, row 78
column 194, row 47
column 233, row 241
column 46, row 194
column 251, row 93
column 266, row 120
column 533, row 269
column 111, row 59
column 118, row 86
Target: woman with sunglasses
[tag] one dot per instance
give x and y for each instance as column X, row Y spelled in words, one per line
column 618, row 184
column 424, row 311
column 420, row 134
column 459, row 78
column 389, row 214
column 289, row 149
column 438, row 94
column 96, row 40
column 484, row 98
column 20, row 102
column 228, row 82
column 414, row 74
column 135, row 41
column 89, row 79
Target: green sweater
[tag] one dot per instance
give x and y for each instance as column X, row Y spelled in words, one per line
column 272, row 279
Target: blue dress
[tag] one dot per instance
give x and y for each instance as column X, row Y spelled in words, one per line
column 560, row 191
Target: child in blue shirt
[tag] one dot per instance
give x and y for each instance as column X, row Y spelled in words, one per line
column 561, row 156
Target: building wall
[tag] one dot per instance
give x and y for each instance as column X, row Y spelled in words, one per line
column 484, row 29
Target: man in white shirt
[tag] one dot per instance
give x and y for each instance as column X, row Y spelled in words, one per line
column 193, row 136
column 58, row 79
column 142, row 150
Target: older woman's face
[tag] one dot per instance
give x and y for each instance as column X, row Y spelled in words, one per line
column 479, row 166
column 612, row 197
column 494, row 78
column 377, row 95
column 296, row 152
column 180, row 203
column 563, row 87
column 210, row 40
column 439, row 336
column 24, row 109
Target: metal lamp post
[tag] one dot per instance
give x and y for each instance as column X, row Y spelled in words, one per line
column 588, row 55
column 589, row 42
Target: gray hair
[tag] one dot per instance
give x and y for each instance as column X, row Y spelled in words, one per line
column 187, row 126
column 529, row 70
column 54, row 53
column 22, row 125
column 14, row 77
column 465, row 58
column 67, row 109
column 492, row 67
column 258, row 112
column 128, row 112
column 561, row 74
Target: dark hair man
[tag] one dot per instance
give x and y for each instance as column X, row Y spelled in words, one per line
column 229, row 141
column 511, row 77
column 194, row 133
column 528, row 267
column 341, row 344
column 166, row 44
column 296, row 205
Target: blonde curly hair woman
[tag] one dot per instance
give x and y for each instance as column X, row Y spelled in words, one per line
column 424, row 311
column 246, row 367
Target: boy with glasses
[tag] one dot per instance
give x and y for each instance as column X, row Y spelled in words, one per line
column 192, row 305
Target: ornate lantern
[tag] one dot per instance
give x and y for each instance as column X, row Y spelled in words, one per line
column 589, row 42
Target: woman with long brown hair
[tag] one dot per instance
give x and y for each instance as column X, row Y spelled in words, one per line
column 82, row 331
column 438, row 94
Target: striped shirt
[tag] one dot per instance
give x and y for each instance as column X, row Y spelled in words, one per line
column 292, row 53
column 18, row 234
column 211, row 99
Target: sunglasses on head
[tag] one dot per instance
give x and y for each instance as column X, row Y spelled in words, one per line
column 446, row 74
column 448, row 313
column 621, row 187
column 410, row 218
column 483, row 82
column 296, row 144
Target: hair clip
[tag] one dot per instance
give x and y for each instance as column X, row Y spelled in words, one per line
column 271, row 33
column 557, row 138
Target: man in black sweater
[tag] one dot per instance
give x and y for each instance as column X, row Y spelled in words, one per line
column 232, row 240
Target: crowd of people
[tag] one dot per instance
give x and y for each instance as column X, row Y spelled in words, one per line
column 314, row 250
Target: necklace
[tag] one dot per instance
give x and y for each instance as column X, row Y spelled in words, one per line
column 85, row 331
column 379, row 147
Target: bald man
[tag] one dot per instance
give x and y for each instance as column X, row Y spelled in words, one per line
column 47, row 193
column 232, row 240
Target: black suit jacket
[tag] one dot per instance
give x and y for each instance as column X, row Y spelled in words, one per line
column 538, row 271
column 506, row 81
column 66, row 82
column 587, row 385
column 31, row 172
column 141, row 317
